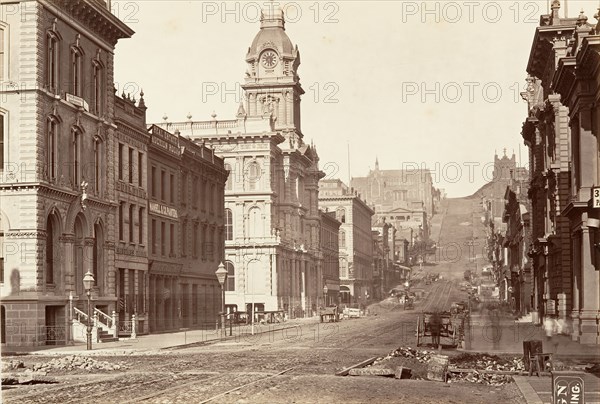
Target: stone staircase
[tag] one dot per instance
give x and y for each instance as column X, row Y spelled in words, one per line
column 105, row 336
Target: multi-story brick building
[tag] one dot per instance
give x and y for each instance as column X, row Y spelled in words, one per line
column 355, row 239
column 271, row 198
column 57, row 189
column 577, row 80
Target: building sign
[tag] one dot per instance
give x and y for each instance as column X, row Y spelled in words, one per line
column 165, row 140
column 567, row 389
column 596, row 197
column 77, row 101
column 163, row 210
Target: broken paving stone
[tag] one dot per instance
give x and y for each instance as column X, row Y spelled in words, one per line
column 371, row 372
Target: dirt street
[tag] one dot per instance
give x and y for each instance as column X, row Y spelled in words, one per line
column 277, row 366
column 293, row 365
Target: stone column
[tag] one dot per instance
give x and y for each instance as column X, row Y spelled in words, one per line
column 590, row 281
column 576, row 286
column 69, row 266
column 588, row 157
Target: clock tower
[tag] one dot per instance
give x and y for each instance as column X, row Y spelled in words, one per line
column 272, row 85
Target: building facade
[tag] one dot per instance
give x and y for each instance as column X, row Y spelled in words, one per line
column 131, row 185
column 577, row 80
column 355, row 239
column 547, row 135
column 330, row 257
column 82, row 196
column 186, row 222
column 515, row 281
column 272, row 220
column 410, row 193
column 57, row 189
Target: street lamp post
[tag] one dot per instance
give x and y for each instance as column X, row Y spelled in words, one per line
column 88, row 282
column 325, row 294
column 222, row 276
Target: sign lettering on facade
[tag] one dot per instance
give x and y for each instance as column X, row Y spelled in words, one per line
column 596, row 197
column 163, row 210
column 567, row 389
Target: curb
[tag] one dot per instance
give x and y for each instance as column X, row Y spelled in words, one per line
column 530, row 395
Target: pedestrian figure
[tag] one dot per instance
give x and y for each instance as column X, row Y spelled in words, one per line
column 435, row 324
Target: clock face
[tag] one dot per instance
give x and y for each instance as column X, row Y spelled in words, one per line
column 269, row 59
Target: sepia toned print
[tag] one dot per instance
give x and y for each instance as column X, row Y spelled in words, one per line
column 310, row 202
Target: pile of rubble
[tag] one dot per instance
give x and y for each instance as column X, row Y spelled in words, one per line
column 407, row 352
column 484, row 378
column 12, row 364
column 474, row 368
column 72, row 362
column 483, row 366
column 488, row 362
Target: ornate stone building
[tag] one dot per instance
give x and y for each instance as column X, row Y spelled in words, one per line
column 82, row 190
column 57, row 185
column 561, row 132
column 355, row 239
column 577, row 80
column 131, row 247
column 185, row 232
column 272, row 220
column 403, row 198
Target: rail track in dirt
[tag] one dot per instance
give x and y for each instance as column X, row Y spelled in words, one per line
column 147, row 387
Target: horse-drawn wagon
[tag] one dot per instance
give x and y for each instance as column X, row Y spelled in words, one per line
column 448, row 329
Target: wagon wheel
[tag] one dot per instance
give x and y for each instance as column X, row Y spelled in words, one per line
column 418, row 329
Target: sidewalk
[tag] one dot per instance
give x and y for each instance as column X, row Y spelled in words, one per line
column 538, row 390
column 155, row 342
column 509, row 337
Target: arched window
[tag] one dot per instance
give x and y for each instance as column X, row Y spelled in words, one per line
column 343, row 268
column 97, row 164
column 79, row 260
column 76, row 56
column 98, row 82
column 51, row 245
column 340, row 215
column 230, row 284
column 52, row 64
column 76, row 156
column 342, row 239
column 98, row 256
column 228, row 225
column 52, row 147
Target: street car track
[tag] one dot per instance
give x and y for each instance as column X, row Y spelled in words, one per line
column 438, row 297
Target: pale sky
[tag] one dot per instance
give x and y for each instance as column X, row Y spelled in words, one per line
column 429, row 84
